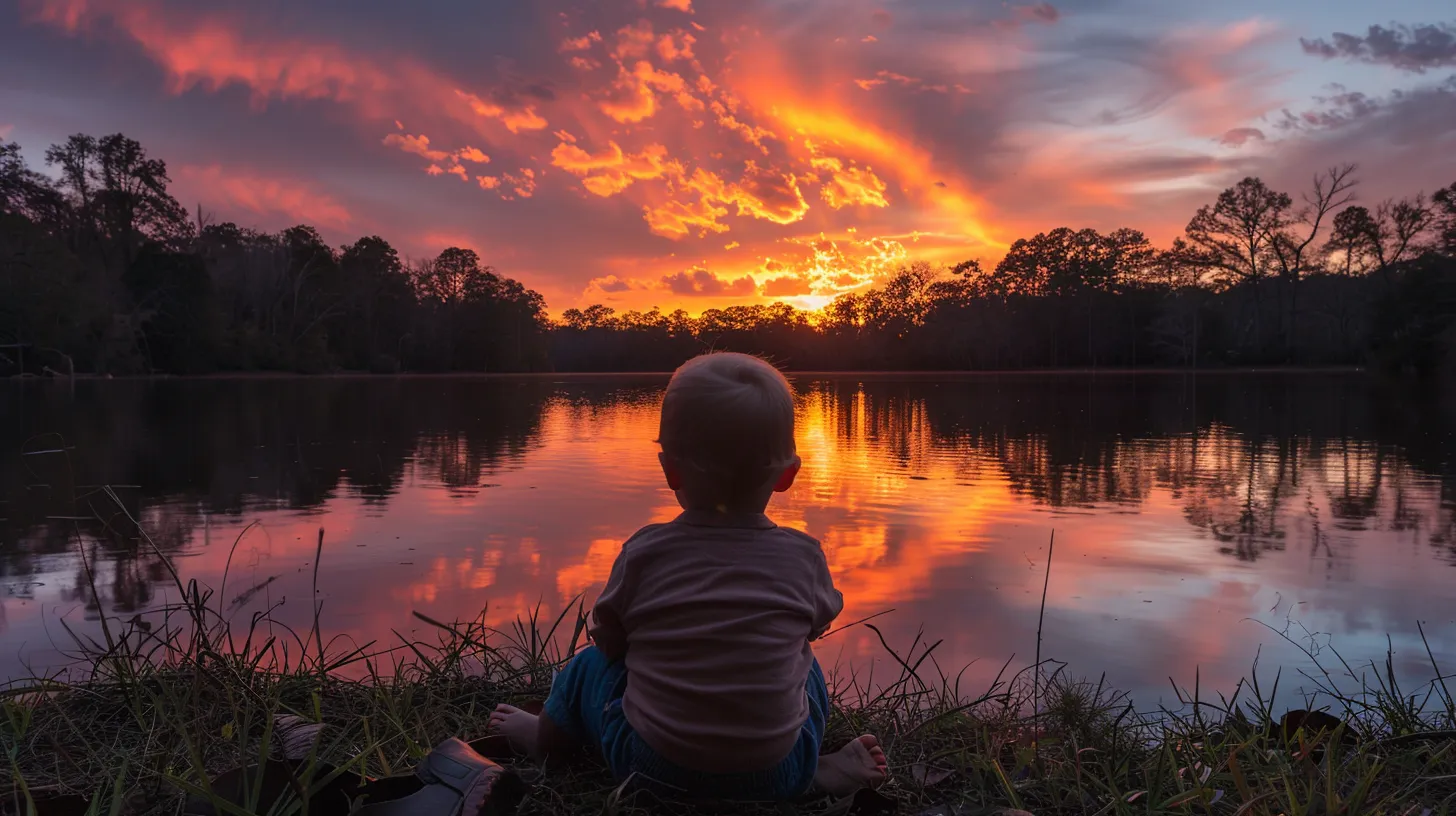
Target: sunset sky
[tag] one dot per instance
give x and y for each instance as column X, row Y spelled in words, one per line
column 697, row 153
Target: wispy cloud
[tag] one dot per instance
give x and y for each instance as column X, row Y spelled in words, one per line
column 241, row 193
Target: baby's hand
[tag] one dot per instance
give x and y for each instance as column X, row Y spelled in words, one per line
column 608, row 634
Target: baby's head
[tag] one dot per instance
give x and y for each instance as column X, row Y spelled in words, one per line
column 727, row 433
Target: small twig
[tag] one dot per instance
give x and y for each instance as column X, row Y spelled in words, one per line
column 317, row 605
column 836, row 630
column 1040, row 619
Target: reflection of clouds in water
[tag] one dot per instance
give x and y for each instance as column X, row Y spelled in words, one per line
column 1184, row 511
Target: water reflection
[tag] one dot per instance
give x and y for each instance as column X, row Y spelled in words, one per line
column 1187, row 510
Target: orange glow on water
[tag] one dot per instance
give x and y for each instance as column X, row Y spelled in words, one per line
column 934, row 498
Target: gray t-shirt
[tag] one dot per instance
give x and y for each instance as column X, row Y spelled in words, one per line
column 714, row 616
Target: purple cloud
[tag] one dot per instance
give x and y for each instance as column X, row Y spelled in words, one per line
column 1238, row 137
column 1408, row 48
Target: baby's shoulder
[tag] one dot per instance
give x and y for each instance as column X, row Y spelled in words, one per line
column 649, row 538
column 798, row 536
column 797, row 540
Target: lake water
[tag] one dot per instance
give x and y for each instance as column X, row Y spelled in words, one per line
column 1195, row 517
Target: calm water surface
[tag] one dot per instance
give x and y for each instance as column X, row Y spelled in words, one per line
column 1194, row 517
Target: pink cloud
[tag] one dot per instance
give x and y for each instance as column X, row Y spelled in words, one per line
column 212, row 53
column 580, row 43
column 418, row 145
column 1238, row 137
column 259, row 195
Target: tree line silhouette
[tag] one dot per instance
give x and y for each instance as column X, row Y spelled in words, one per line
column 103, row 270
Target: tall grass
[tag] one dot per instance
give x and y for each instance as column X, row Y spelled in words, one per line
column 158, row 711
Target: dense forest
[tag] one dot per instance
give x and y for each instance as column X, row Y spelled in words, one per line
column 103, row 271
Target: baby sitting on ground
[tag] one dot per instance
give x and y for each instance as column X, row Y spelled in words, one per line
column 702, row 680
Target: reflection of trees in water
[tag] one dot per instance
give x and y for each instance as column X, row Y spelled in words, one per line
column 1238, row 501
column 1443, row 532
column 1242, row 456
column 223, row 446
column 895, row 426
column 1255, row 462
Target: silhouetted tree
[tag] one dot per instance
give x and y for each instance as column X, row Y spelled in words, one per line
column 1445, row 204
column 1236, row 235
column 1366, row 242
column 102, row 267
column 117, row 197
column 378, row 303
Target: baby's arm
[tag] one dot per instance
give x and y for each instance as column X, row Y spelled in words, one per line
column 828, row 601
column 607, row 630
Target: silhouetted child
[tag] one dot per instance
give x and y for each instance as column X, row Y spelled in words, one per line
column 702, row 678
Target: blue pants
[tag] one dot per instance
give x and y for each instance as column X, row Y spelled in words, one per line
column 586, row 703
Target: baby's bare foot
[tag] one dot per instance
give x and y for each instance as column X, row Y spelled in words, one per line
column 519, row 727
column 860, row 764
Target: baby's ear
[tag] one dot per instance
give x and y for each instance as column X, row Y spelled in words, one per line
column 786, row 479
column 670, row 471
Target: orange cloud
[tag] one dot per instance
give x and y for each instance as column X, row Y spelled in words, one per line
column 472, row 154
column 680, row 5
column 804, row 271
column 762, row 192
column 629, row 99
column 787, row 286
column 611, row 171
column 523, row 183
column 914, row 83
column 418, row 145
column 581, row 43
column 633, row 97
column 836, row 265
column 676, row 219
column 515, row 119
column 699, row 282
column 752, row 134
column 634, row 41
column 611, row 284
column 910, row 164
column 675, row 46
column 487, row 182
column 849, row 186
column 261, row 195
column 768, row 194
